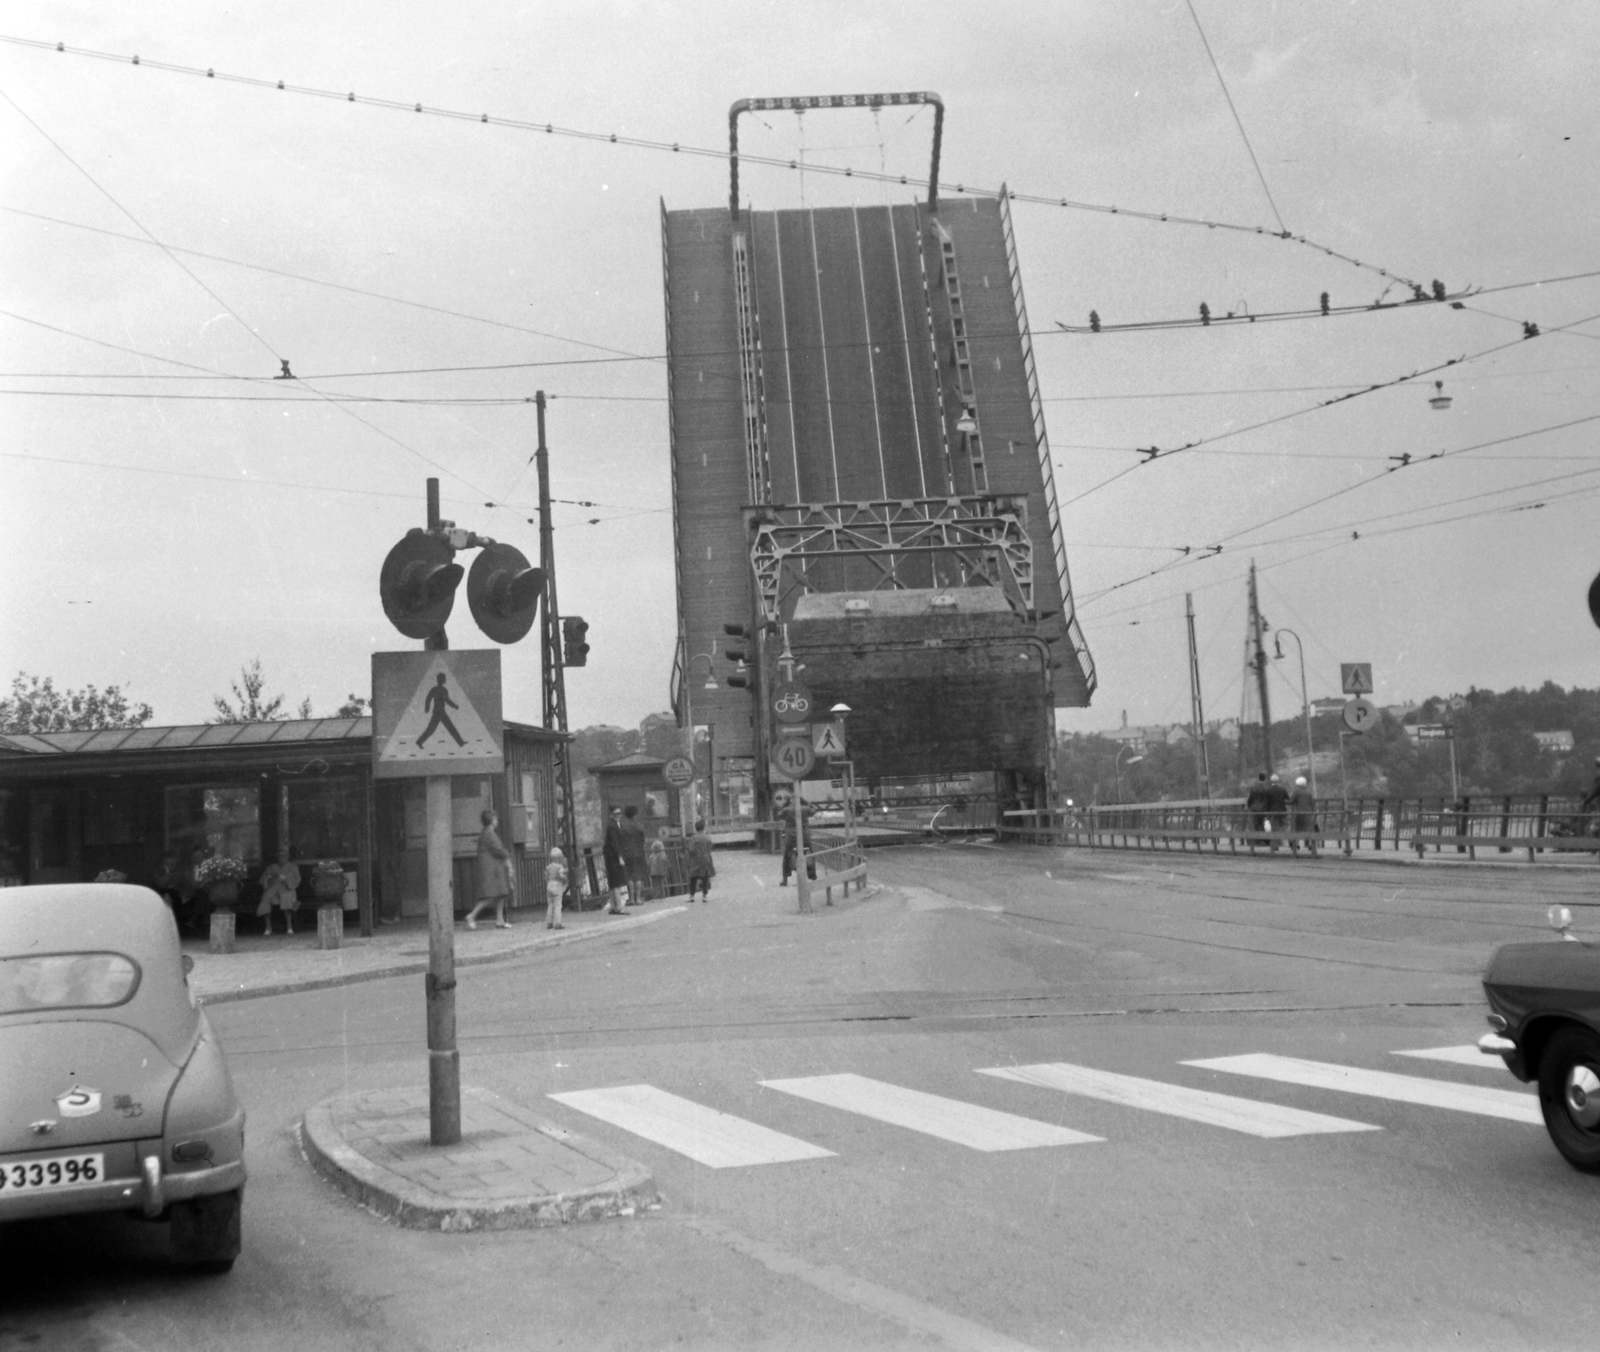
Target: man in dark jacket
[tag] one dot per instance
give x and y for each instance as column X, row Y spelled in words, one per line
column 1256, row 804
column 1305, row 816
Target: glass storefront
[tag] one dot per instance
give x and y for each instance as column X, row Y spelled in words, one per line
column 214, row 819
column 322, row 818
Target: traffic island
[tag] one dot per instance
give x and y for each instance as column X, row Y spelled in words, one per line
column 509, row 1171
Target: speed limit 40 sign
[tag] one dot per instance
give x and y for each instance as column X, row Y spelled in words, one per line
column 793, row 757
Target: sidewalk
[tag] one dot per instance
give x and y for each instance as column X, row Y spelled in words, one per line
column 279, row 963
column 509, row 1171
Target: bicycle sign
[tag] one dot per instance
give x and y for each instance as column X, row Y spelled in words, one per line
column 793, row 757
column 791, row 702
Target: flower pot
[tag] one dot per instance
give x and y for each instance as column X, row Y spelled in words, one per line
column 223, row 893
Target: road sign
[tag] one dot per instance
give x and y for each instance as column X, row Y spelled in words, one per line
column 679, row 772
column 436, row 713
column 1458, row 702
column 1434, row 732
column 1360, row 714
column 1356, row 677
column 791, row 702
column 781, row 798
column 793, row 757
column 827, row 740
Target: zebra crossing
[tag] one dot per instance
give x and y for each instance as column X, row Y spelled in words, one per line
column 721, row 1140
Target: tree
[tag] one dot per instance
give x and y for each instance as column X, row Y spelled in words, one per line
column 35, row 705
column 354, row 707
column 251, row 707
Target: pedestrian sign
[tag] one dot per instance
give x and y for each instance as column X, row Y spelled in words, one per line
column 436, row 713
column 1356, row 677
column 827, row 740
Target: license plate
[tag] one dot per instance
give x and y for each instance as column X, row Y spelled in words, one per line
column 61, row 1171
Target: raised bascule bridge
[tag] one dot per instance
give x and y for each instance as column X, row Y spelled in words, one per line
column 861, row 472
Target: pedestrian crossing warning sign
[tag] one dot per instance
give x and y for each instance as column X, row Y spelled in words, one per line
column 436, row 713
column 1356, row 677
column 827, row 740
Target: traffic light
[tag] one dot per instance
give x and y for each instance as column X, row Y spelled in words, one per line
column 574, row 650
column 739, row 680
column 418, row 584
column 503, row 590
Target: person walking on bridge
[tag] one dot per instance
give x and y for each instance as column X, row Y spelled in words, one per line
column 1277, row 810
column 1304, row 807
column 1256, row 803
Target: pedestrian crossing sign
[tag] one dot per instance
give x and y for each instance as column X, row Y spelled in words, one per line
column 1356, row 677
column 827, row 740
column 436, row 713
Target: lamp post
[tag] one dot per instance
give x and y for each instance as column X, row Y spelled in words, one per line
column 840, row 712
column 1305, row 704
column 688, row 704
column 1116, row 767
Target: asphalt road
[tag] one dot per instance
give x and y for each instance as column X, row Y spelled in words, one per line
column 1380, row 1223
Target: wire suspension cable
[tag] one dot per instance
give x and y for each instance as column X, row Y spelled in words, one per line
column 680, row 148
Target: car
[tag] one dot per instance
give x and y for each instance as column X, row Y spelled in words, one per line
column 116, row 1094
column 1544, row 1002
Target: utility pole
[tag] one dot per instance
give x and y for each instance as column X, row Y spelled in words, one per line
column 444, row 1060
column 1202, row 755
column 553, row 671
column 1258, row 629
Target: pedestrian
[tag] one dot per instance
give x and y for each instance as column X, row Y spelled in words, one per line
column 280, row 884
column 701, row 869
column 791, row 847
column 656, row 864
column 616, row 870
column 633, row 855
column 555, row 888
column 1256, row 803
column 491, row 873
column 1277, row 809
column 1304, row 807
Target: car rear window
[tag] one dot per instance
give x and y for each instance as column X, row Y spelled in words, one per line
column 66, row 981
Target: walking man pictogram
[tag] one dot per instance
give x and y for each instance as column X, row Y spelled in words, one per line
column 435, row 702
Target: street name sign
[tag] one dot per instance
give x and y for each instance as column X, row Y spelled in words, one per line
column 679, row 772
column 1434, row 732
column 437, row 713
column 1360, row 714
column 1356, row 677
column 793, row 757
column 827, row 740
column 791, row 703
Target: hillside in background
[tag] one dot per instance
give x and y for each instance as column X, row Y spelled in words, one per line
column 1496, row 753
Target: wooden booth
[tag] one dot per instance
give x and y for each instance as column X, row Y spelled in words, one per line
column 152, row 803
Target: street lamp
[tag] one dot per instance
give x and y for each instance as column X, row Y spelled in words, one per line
column 711, row 737
column 1116, row 767
column 1305, row 704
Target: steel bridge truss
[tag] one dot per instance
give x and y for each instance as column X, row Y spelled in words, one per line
column 986, row 534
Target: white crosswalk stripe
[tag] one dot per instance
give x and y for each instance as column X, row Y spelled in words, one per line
column 966, row 1124
column 1198, row 1105
column 1512, row 1105
column 716, row 1139
column 1457, row 1056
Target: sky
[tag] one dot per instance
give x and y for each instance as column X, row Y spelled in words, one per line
column 168, row 240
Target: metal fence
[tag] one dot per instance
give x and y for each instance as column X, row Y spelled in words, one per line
column 1507, row 824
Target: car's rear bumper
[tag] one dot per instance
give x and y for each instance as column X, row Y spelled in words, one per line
column 147, row 1194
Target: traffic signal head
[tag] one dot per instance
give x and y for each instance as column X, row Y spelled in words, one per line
column 574, row 648
column 418, row 584
column 503, row 590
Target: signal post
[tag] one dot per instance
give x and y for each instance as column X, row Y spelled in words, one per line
column 437, row 713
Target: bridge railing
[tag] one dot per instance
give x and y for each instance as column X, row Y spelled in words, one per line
column 829, row 862
column 1506, row 824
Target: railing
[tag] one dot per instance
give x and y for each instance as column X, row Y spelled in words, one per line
column 1504, row 824
column 837, row 863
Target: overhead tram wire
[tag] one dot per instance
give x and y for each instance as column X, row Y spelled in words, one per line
column 680, row 148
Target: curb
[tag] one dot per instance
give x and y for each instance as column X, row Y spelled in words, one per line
column 631, row 1189
column 417, row 967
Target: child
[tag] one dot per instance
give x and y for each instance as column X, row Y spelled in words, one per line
column 555, row 888
column 701, row 869
column 656, row 863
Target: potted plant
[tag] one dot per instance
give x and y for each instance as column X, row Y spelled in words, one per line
column 328, row 881
column 220, row 876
